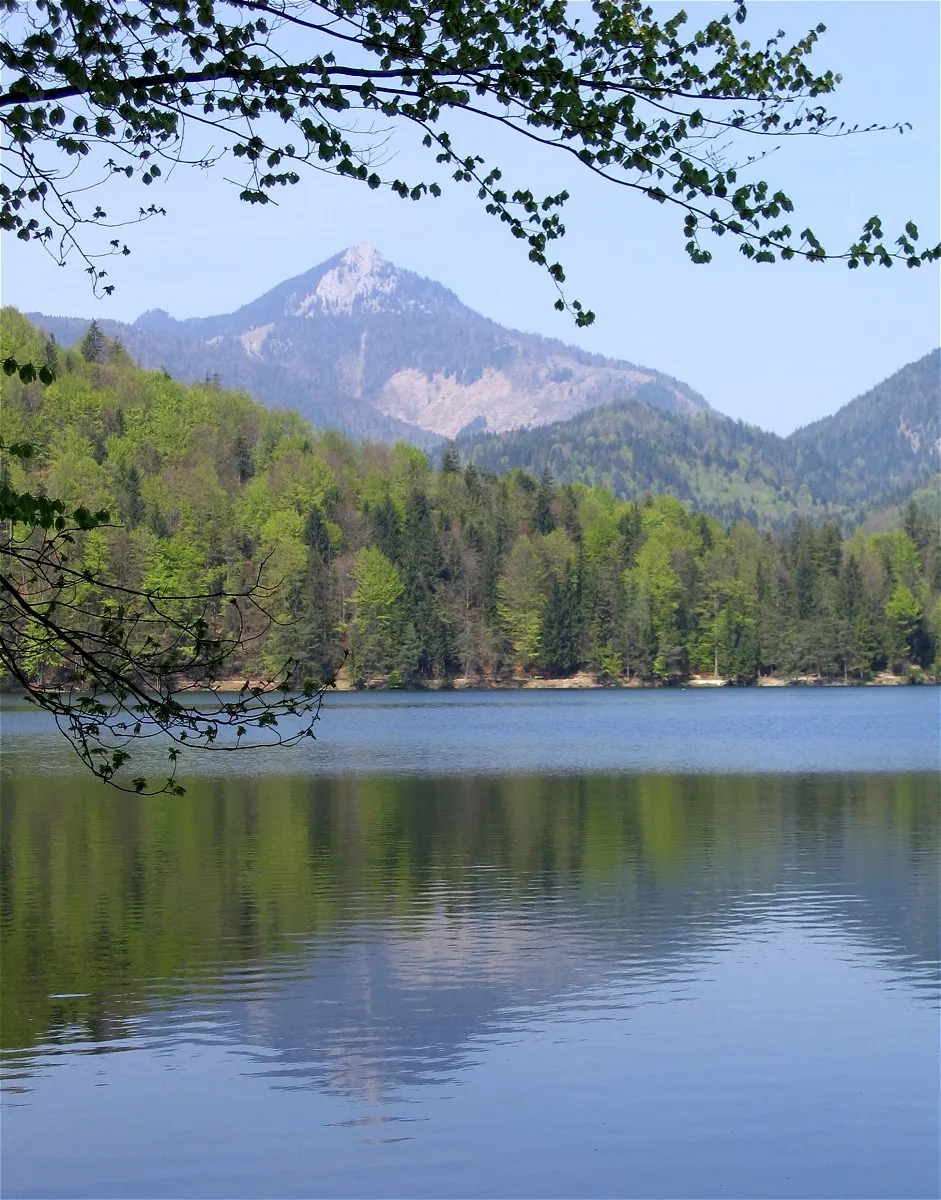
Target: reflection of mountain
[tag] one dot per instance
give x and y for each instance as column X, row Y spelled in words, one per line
column 378, row 1009
column 367, row 932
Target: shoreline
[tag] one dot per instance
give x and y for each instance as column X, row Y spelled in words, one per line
column 582, row 681
column 586, row 681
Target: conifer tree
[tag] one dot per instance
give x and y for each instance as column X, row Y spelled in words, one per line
column 386, row 529
column 450, row 460
column 92, row 345
column 559, row 648
column 545, row 520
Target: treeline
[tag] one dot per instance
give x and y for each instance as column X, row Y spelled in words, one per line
column 409, row 575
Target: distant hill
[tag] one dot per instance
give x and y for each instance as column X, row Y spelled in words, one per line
column 363, row 346
column 727, row 469
column 868, row 456
column 888, row 439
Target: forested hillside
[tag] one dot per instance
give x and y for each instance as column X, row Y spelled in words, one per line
column 417, row 574
column 892, row 433
column 726, row 469
column 156, row 343
column 868, row 456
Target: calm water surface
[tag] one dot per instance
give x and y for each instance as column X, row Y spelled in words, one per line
column 564, row 944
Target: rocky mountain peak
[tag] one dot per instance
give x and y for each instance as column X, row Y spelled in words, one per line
column 358, row 332
column 361, row 280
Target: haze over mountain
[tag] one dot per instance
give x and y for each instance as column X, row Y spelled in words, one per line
column 361, row 345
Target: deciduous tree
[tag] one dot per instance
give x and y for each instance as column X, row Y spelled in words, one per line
column 669, row 113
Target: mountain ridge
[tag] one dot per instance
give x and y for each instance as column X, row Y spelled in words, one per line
column 869, row 454
column 401, row 348
column 378, row 352
column 725, row 468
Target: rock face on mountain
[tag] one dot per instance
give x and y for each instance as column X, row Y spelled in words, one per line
column 363, row 345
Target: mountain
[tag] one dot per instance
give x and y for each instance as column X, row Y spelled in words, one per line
column 890, row 437
column 155, row 341
column 868, row 456
column 361, row 345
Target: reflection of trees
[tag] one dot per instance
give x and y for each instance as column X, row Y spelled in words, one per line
column 110, row 899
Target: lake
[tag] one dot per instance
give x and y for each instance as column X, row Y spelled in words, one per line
column 633, row 943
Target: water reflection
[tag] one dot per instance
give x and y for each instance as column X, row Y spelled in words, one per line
column 365, row 932
column 634, row 985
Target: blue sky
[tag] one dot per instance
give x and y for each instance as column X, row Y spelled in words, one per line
column 774, row 345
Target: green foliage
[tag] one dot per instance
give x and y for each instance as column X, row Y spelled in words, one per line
column 522, row 598
column 420, row 575
column 103, row 627
column 631, row 98
column 869, row 455
column 377, row 608
column 904, row 616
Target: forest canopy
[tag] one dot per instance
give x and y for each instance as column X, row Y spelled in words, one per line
column 413, row 576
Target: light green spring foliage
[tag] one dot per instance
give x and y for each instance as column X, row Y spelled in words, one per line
column 416, row 574
column 377, row 607
column 522, row 591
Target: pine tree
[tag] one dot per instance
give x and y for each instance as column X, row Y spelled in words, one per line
column 312, row 634
column 559, row 651
column 472, row 481
column 863, row 648
column 545, row 521
column 917, row 524
column 630, row 528
column 408, row 657
column 805, row 574
column 386, row 530
column 242, row 456
column 92, row 345
column 316, row 536
column 450, row 460
column 422, row 558
column 851, row 587
column 51, row 354
column 131, row 502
